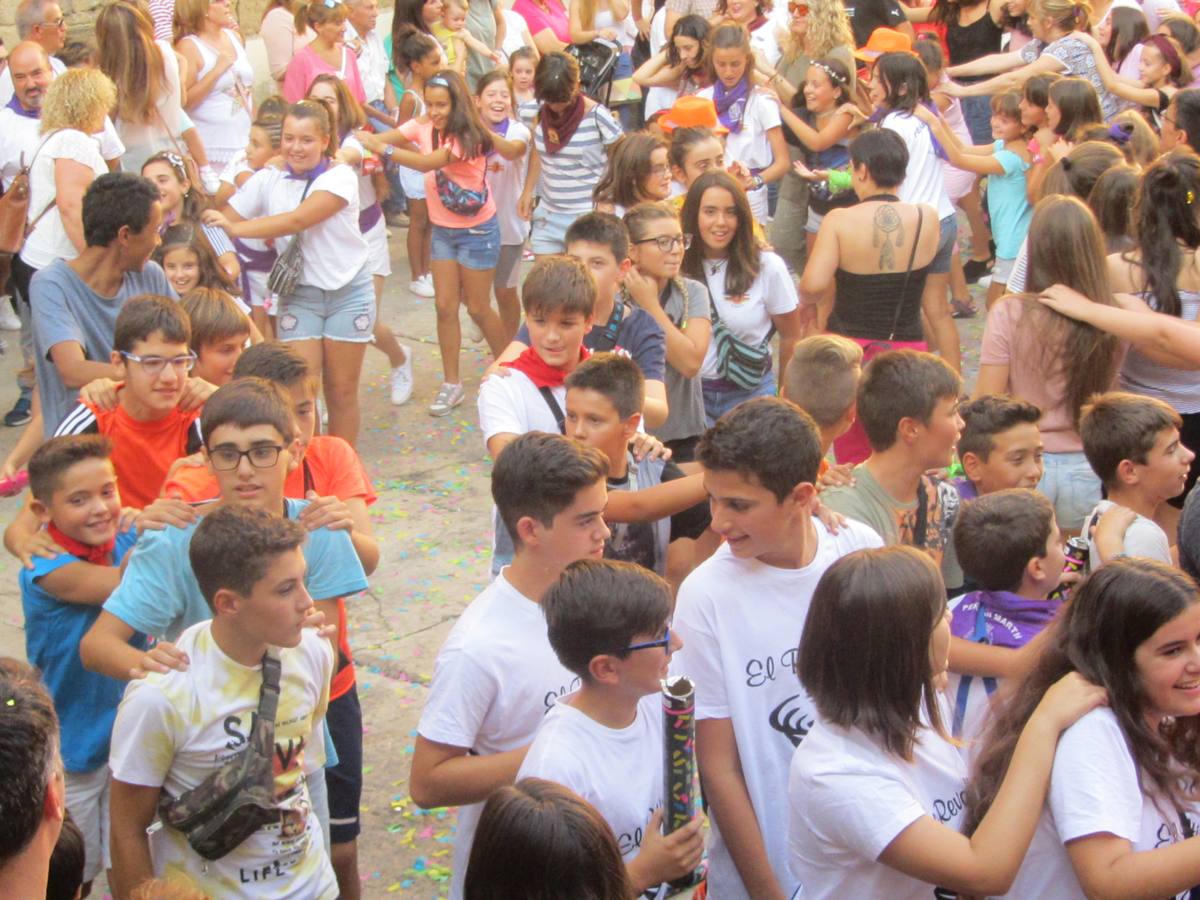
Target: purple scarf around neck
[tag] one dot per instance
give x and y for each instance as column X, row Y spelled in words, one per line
column 312, row 174
column 15, row 105
column 731, row 103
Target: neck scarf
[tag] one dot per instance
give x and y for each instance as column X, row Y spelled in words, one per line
column 15, row 105
column 559, row 128
column 96, row 554
column 1002, row 618
column 731, row 103
column 500, row 128
column 540, row 372
column 312, row 174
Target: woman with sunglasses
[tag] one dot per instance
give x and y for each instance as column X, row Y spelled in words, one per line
column 680, row 306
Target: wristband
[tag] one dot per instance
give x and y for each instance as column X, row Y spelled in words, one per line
column 839, row 180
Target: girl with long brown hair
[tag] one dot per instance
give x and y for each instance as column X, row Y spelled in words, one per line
column 638, row 172
column 1052, row 361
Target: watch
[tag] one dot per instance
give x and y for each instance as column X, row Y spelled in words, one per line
column 388, row 151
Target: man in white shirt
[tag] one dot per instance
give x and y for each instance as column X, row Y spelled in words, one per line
column 364, row 40
column 42, row 22
column 740, row 615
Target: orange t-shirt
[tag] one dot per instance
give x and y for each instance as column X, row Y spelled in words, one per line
column 142, row 450
column 331, row 468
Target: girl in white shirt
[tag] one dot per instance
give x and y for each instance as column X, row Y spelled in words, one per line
column 1122, row 788
column 331, row 313
column 876, row 788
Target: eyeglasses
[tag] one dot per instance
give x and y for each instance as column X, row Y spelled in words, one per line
column 798, row 9
column 668, row 242
column 60, row 22
column 664, row 169
column 664, row 642
column 153, row 365
column 225, row 459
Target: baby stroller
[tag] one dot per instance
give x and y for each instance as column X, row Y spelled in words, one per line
column 597, row 62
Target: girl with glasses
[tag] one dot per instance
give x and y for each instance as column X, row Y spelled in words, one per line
column 638, row 172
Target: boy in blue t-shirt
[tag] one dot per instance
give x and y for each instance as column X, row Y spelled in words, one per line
column 75, row 498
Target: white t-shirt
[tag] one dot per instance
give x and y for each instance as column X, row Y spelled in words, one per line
column 773, row 293
column 49, row 241
column 493, row 681
column 578, row 752
column 1144, row 537
column 925, row 177
column 1094, row 789
column 22, row 135
column 173, row 730
column 750, row 145
column 739, row 649
column 334, row 250
column 506, row 180
column 6, row 83
column 849, row 799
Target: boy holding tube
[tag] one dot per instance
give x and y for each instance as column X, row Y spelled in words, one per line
column 608, row 622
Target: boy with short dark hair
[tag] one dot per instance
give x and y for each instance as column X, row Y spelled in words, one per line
column 174, row 730
column 609, row 623
column 1009, row 544
column 496, row 674
column 908, row 407
column 1132, row 444
column 604, row 397
column 74, row 496
column 739, row 614
column 65, row 879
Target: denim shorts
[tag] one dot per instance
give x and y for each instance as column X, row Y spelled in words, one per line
column 720, row 396
column 472, row 248
column 346, row 314
column 549, row 233
column 947, row 235
column 1070, row 484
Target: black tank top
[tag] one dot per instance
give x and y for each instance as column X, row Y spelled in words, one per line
column 865, row 306
column 968, row 43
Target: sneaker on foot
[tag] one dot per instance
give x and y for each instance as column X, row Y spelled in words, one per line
column 448, row 397
column 20, row 414
column 402, row 380
column 9, row 320
column 421, row 288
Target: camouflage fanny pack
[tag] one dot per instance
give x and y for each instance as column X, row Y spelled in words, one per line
column 235, row 801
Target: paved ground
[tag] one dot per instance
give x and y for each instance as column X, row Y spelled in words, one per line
column 431, row 519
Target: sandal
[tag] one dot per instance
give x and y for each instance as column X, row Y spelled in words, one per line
column 962, row 309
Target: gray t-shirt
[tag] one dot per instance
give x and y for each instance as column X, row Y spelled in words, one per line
column 685, row 399
column 66, row 309
column 481, row 23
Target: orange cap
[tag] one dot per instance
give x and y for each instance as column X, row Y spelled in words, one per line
column 884, row 40
column 692, row 112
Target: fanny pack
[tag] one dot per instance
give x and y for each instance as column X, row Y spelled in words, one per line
column 238, row 799
column 454, row 197
column 738, row 361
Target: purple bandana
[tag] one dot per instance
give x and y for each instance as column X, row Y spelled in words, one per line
column 731, row 103
column 311, row 175
column 15, row 105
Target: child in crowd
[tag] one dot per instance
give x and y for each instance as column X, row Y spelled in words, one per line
column 65, row 879
column 505, row 178
column 221, row 331
column 604, row 399
column 756, row 138
column 908, row 406
column 175, row 730
column 451, row 32
column 609, row 623
column 1009, row 547
column 1132, row 444
column 822, row 379
column 522, row 64
column 637, row 173
column 737, row 644
column 876, row 791
column 496, row 675
column 678, row 69
column 187, row 259
column 601, row 243
column 74, row 489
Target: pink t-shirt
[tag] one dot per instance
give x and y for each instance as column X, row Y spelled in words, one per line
column 538, row 19
column 306, row 66
column 469, row 173
column 1005, row 343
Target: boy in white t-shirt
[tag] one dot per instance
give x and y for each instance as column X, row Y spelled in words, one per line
column 1132, row 444
column 608, row 622
column 496, row 674
column 174, row 730
column 740, row 614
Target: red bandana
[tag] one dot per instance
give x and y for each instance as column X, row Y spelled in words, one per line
column 540, row 372
column 99, row 555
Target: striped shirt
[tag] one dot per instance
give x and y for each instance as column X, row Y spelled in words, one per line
column 569, row 176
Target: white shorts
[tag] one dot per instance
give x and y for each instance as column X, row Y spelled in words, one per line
column 379, row 258
column 87, row 801
column 413, row 183
column 759, row 205
column 259, row 297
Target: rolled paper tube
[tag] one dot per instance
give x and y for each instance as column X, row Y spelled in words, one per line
column 679, row 751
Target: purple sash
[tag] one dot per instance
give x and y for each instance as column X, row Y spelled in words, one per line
column 252, row 261
column 369, row 217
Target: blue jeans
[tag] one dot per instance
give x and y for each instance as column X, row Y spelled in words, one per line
column 720, row 396
column 977, row 111
column 1070, row 484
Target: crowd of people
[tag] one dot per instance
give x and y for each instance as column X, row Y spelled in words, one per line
column 941, row 641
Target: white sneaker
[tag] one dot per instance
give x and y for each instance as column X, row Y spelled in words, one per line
column 469, row 327
column 9, row 320
column 421, row 287
column 448, row 397
column 402, row 379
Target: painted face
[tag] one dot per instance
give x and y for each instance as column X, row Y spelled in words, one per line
column 647, row 256
column 1015, row 460
column 1168, row 668
column 182, row 267
column 154, row 393
column 730, row 64
column 495, row 102
column 171, row 190
column 278, row 604
column 258, row 149
column 688, row 49
column 557, row 335
column 707, row 155
column 303, row 144
column 86, row 505
column 718, row 220
column 657, row 185
column 820, row 93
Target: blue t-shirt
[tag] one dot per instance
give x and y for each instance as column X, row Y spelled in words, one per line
column 1008, row 203
column 638, row 336
column 86, row 701
column 158, row 593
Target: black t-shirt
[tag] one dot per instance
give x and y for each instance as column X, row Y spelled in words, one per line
column 634, row 542
column 867, row 15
